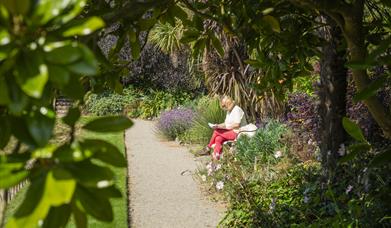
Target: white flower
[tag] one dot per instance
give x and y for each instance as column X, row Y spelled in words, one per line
column 309, row 142
column 219, row 185
column 341, row 150
column 306, row 199
column 203, row 178
column 218, row 166
column 277, row 154
column 348, row 189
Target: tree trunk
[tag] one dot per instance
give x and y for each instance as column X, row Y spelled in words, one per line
column 333, row 84
column 354, row 35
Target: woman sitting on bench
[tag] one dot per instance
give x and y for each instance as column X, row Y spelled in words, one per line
column 226, row 131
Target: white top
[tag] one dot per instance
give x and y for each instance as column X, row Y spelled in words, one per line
column 235, row 116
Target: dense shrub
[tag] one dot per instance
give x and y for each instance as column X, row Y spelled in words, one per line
column 134, row 102
column 174, row 123
column 207, row 111
column 108, row 103
column 155, row 102
column 265, row 146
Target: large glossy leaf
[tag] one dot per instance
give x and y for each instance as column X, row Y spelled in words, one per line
column 58, row 75
column 84, row 27
column 33, row 208
column 64, row 55
column 17, row 6
column 40, row 125
column 20, row 131
column 353, row 130
column 217, row 45
column 76, row 9
column 5, row 131
column 91, row 175
column 272, row 22
column 105, row 152
column 79, row 216
column 109, row 124
column 59, row 187
column 95, row 205
column 72, row 116
column 4, row 95
column 46, row 10
column 19, row 100
column 58, row 217
column 32, row 74
column 10, row 177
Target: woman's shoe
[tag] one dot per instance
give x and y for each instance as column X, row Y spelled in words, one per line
column 204, row 151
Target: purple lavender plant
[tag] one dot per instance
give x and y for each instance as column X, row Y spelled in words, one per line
column 175, row 122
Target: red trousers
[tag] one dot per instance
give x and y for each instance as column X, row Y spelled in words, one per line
column 219, row 137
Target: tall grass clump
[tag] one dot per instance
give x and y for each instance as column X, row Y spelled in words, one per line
column 208, row 111
column 265, row 146
column 174, row 123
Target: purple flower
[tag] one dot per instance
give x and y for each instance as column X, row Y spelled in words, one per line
column 175, row 122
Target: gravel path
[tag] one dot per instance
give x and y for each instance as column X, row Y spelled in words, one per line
column 163, row 192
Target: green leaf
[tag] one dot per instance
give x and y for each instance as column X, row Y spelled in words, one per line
column 190, row 36
column 72, row 116
column 91, row 175
column 83, row 68
column 5, row 131
column 217, row 44
column 105, row 152
column 4, row 95
column 19, row 100
column 353, row 130
column 58, row 75
column 272, row 22
column 77, row 8
column 94, row 204
column 17, row 6
column 33, row 208
column 109, row 124
column 382, row 158
column 135, row 49
column 11, row 177
column 5, row 39
column 109, row 192
column 178, row 12
column 46, row 10
column 32, row 74
column 74, row 89
column 59, row 187
column 79, row 216
column 84, row 27
column 41, row 124
column 58, row 217
column 64, row 55
column 370, row 90
column 20, row 131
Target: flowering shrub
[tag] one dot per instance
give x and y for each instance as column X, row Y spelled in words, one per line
column 174, row 123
